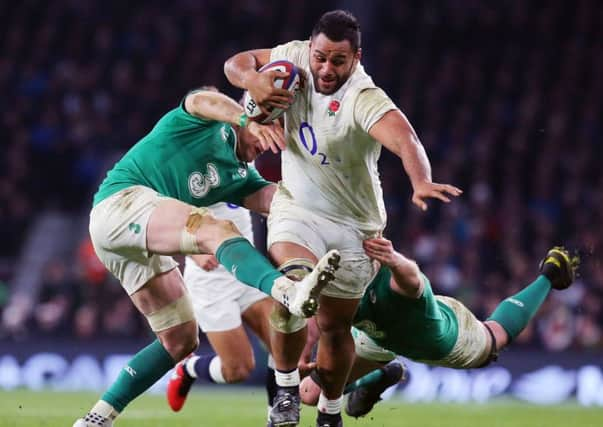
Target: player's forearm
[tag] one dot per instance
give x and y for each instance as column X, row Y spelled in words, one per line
column 214, row 106
column 395, row 132
column 241, row 69
column 407, row 276
column 415, row 160
column 260, row 201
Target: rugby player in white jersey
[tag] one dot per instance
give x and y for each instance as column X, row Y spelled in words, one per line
column 330, row 195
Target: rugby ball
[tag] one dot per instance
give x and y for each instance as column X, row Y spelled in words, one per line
column 291, row 83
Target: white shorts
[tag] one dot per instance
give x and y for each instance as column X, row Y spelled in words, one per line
column 118, row 228
column 289, row 222
column 219, row 299
column 472, row 347
column 365, row 347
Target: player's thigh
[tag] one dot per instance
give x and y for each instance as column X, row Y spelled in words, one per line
column 175, row 227
column 218, row 298
column 234, row 348
column 257, row 318
column 296, row 232
column 118, row 229
column 293, row 232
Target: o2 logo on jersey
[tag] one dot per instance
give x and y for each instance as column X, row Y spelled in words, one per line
column 308, row 139
column 199, row 184
column 370, row 328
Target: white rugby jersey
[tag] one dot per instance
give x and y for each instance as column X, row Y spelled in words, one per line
column 330, row 164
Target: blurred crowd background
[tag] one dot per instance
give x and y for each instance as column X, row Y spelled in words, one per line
column 506, row 96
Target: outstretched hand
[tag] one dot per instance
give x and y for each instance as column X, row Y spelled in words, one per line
column 380, row 249
column 433, row 190
column 271, row 136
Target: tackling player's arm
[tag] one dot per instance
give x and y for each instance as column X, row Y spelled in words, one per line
column 216, row 106
column 241, row 71
column 210, row 105
column 406, row 276
column 397, row 135
column 259, row 202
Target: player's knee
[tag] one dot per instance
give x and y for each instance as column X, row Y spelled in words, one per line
column 333, row 325
column 182, row 344
column 214, row 232
column 238, row 372
column 226, row 227
column 283, row 321
column 176, row 327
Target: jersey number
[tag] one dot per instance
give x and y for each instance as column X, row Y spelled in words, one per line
column 306, row 130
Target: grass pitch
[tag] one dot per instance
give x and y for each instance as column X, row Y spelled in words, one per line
column 245, row 407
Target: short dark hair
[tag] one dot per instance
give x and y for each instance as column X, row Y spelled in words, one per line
column 339, row 25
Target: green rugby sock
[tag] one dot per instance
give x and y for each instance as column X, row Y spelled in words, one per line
column 369, row 379
column 247, row 264
column 142, row 371
column 515, row 312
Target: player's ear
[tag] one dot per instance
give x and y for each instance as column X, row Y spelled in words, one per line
column 358, row 54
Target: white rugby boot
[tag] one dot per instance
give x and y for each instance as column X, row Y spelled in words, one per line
column 301, row 298
column 92, row 419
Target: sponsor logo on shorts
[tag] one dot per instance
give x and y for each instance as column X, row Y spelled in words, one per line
column 370, row 328
column 135, row 228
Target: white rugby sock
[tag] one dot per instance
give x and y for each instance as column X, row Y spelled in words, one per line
column 287, row 379
column 189, row 366
column 328, row 406
column 215, row 370
column 105, row 410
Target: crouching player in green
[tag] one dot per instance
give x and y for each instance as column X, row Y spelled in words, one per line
column 152, row 205
column 400, row 315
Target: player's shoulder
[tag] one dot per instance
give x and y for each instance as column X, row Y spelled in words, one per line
column 296, row 51
column 295, row 44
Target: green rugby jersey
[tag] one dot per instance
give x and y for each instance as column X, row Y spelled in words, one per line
column 420, row 329
column 186, row 158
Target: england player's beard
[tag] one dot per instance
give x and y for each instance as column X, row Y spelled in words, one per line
column 328, row 87
column 332, row 84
